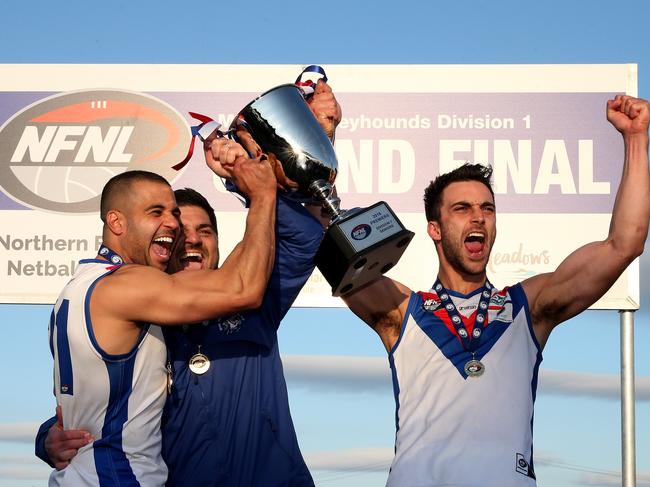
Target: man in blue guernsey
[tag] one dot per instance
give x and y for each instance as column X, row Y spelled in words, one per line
column 226, row 421
column 464, row 355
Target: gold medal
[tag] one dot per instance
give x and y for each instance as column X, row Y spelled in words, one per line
column 199, row 363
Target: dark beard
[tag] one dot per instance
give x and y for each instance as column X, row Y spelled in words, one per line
column 455, row 259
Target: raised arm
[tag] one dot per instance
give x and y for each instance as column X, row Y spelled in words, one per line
column 382, row 305
column 298, row 234
column 147, row 294
column 298, row 237
column 585, row 275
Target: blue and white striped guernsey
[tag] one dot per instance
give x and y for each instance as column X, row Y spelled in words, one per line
column 118, row 398
column 459, row 431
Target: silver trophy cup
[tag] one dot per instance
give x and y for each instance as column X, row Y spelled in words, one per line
column 360, row 244
column 280, row 124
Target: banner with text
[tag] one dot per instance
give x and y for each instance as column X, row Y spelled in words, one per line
column 66, row 129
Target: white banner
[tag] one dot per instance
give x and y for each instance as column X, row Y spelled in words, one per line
column 557, row 162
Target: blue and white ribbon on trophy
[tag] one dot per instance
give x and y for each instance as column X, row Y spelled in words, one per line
column 311, row 74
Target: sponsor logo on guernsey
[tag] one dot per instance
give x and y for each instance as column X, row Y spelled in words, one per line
column 523, row 467
column 469, row 307
column 58, row 153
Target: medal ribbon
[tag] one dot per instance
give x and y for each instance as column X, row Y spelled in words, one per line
column 470, row 343
column 110, row 255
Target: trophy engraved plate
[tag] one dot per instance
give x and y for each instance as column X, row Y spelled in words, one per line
column 363, row 232
column 361, row 246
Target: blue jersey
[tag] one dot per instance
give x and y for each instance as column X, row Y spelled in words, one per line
column 231, row 426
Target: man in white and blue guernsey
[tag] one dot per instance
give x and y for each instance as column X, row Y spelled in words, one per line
column 464, row 355
column 109, row 361
column 227, row 421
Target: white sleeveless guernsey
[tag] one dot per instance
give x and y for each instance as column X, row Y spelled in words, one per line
column 118, row 398
column 455, row 430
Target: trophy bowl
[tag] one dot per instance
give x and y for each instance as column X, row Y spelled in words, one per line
column 280, row 124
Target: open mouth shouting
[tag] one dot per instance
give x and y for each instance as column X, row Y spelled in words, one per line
column 475, row 244
column 192, row 260
column 162, row 247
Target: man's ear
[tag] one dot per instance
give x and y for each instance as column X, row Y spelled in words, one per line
column 433, row 229
column 116, row 222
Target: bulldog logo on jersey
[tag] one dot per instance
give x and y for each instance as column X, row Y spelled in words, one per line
column 497, row 300
column 230, row 324
column 500, row 308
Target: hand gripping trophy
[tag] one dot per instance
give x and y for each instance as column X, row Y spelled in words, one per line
column 361, row 244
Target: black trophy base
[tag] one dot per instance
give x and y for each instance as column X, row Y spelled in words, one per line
column 360, row 247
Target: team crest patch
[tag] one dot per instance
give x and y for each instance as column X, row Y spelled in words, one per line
column 500, row 308
column 497, row 300
column 230, row 324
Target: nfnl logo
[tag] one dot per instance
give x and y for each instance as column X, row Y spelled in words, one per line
column 361, row 231
column 58, row 153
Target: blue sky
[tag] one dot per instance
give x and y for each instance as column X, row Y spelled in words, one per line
column 346, row 427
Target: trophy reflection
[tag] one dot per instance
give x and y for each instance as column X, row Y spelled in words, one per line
column 361, row 244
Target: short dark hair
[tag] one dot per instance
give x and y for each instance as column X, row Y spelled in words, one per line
column 191, row 197
column 466, row 172
column 120, row 184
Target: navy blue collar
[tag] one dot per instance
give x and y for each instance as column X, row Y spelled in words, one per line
column 110, row 255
